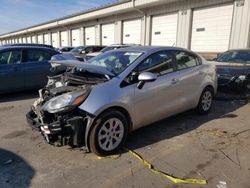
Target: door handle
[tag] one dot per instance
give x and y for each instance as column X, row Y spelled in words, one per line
column 175, row 81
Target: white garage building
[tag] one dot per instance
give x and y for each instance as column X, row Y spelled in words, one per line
column 204, row 26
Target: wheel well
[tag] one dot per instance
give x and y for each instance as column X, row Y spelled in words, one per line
column 123, row 111
column 118, row 108
column 210, row 87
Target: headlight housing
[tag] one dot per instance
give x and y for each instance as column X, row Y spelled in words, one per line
column 65, row 102
column 241, row 78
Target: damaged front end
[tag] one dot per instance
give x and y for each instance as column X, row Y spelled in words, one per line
column 234, row 82
column 56, row 114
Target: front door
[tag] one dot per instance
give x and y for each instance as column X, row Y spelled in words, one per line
column 158, row 99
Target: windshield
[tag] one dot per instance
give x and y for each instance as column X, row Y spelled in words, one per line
column 77, row 49
column 235, row 56
column 115, row 61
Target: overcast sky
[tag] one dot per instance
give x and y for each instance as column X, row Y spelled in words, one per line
column 18, row 14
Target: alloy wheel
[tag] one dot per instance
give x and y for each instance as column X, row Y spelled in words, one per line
column 206, row 100
column 110, row 134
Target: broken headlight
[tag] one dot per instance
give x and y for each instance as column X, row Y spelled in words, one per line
column 65, row 102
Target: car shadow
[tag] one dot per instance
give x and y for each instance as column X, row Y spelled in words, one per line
column 180, row 124
column 14, row 170
column 18, row 96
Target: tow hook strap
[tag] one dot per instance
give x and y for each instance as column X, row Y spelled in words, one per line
column 156, row 171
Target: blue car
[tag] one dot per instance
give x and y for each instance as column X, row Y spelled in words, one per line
column 24, row 67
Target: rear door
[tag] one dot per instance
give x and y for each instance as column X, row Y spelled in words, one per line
column 37, row 67
column 191, row 75
column 11, row 73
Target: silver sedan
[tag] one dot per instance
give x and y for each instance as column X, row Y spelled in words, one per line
column 99, row 102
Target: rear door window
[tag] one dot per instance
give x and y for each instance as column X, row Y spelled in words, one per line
column 10, row 57
column 36, row 55
column 185, row 60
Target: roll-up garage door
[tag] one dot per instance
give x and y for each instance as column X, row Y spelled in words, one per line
column 132, row 32
column 24, row 40
column 40, row 39
column 90, row 35
column 46, row 38
column 211, row 29
column 64, row 38
column 75, row 37
column 164, row 29
column 54, row 40
column 108, row 34
column 33, row 39
column 28, row 39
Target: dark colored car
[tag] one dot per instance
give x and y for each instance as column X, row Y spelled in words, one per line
column 30, row 44
column 80, row 52
column 24, row 67
column 233, row 68
column 64, row 49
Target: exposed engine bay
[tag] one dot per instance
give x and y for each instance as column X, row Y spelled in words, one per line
column 56, row 114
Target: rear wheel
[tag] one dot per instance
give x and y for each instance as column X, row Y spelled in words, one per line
column 206, row 100
column 109, row 133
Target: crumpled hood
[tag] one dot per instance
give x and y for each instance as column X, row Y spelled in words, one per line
column 84, row 65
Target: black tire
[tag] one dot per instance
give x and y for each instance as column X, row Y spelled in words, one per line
column 201, row 109
column 99, row 123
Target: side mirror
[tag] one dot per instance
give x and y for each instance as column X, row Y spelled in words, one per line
column 145, row 77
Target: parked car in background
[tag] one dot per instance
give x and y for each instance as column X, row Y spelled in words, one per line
column 30, row 44
column 233, row 68
column 64, row 49
column 108, row 48
column 80, row 52
column 24, row 67
column 99, row 102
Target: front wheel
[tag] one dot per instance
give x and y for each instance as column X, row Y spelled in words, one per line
column 109, row 133
column 205, row 102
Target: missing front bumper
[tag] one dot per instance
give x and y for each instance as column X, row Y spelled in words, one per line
column 64, row 131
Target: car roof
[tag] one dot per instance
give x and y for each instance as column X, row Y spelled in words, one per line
column 30, row 44
column 112, row 45
column 88, row 46
column 27, row 47
column 239, row 50
column 146, row 49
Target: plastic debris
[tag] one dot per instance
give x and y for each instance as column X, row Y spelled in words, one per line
column 222, row 184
